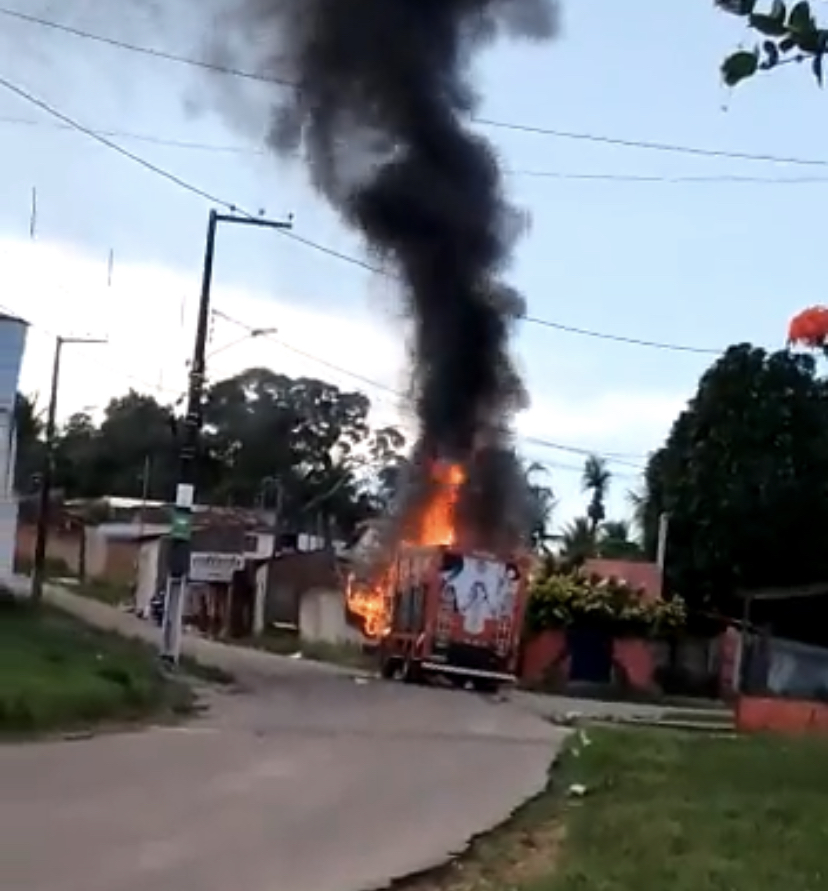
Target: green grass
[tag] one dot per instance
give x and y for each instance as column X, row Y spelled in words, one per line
column 110, row 593
column 286, row 643
column 58, row 674
column 663, row 812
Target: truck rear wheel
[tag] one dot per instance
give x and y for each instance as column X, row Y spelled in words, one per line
column 412, row 672
column 390, row 667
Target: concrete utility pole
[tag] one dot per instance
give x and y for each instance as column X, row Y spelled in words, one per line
column 48, row 469
column 661, row 549
column 179, row 556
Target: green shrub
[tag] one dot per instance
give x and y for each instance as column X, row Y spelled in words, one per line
column 564, row 600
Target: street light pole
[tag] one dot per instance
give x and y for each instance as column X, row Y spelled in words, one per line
column 179, row 556
column 47, row 470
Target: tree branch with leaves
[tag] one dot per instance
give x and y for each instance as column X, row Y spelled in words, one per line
column 786, row 35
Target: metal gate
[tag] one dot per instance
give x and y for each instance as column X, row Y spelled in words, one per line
column 590, row 656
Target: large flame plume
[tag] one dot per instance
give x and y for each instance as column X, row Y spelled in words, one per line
column 436, row 524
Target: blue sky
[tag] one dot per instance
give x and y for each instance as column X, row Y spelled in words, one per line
column 700, row 263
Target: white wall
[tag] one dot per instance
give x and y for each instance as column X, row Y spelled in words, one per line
column 322, row 618
column 12, row 346
column 148, row 556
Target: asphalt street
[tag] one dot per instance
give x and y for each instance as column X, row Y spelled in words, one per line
column 306, row 781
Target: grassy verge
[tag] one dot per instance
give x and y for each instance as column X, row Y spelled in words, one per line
column 663, row 810
column 59, row 674
column 286, row 643
column 110, row 593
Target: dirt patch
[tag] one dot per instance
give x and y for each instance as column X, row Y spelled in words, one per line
column 517, row 854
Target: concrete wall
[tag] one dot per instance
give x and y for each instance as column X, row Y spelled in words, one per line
column 290, row 576
column 759, row 714
column 546, row 659
column 61, row 545
column 111, row 559
column 322, row 618
column 148, row 570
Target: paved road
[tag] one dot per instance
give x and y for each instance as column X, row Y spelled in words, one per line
column 307, row 782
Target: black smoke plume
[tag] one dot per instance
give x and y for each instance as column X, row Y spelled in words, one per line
column 381, row 112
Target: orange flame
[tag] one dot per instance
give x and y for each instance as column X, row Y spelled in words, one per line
column 810, row 328
column 435, row 526
column 368, row 603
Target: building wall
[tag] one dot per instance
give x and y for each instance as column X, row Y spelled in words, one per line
column 290, row 576
column 147, row 579
column 12, row 346
column 60, row 545
column 121, row 561
column 322, row 618
column 646, row 577
column 760, row 714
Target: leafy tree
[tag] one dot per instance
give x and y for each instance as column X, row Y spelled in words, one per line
column 786, row 34
column 263, row 434
column 110, row 460
column 596, row 480
column 616, row 543
column 29, row 431
column 77, row 471
column 744, row 478
column 310, row 436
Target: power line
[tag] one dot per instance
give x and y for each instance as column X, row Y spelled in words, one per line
column 534, row 320
column 167, row 142
column 640, row 144
column 554, row 175
column 645, row 178
column 613, row 457
column 42, row 329
column 620, row 338
column 645, row 145
column 114, row 146
column 141, row 50
column 331, row 252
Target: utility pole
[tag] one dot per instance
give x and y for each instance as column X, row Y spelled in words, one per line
column 661, row 549
column 48, row 469
column 179, row 555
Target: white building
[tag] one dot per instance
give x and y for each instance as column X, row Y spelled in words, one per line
column 12, row 346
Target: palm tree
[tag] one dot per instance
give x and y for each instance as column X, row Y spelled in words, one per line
column 578, row 541
column 542, row 502
column 596, row 480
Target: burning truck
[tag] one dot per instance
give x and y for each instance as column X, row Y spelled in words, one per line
column 434, row 606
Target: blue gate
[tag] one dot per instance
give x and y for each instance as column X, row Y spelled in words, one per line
column 590, row 656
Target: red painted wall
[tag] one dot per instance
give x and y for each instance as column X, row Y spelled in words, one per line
column 547, row 652
column 541, row 653
column 636, row 657
column 728, row 648
column 755, row 714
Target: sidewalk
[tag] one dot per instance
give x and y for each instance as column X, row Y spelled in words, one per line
column 238, row 661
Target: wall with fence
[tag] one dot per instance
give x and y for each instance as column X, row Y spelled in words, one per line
column 784, row 668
